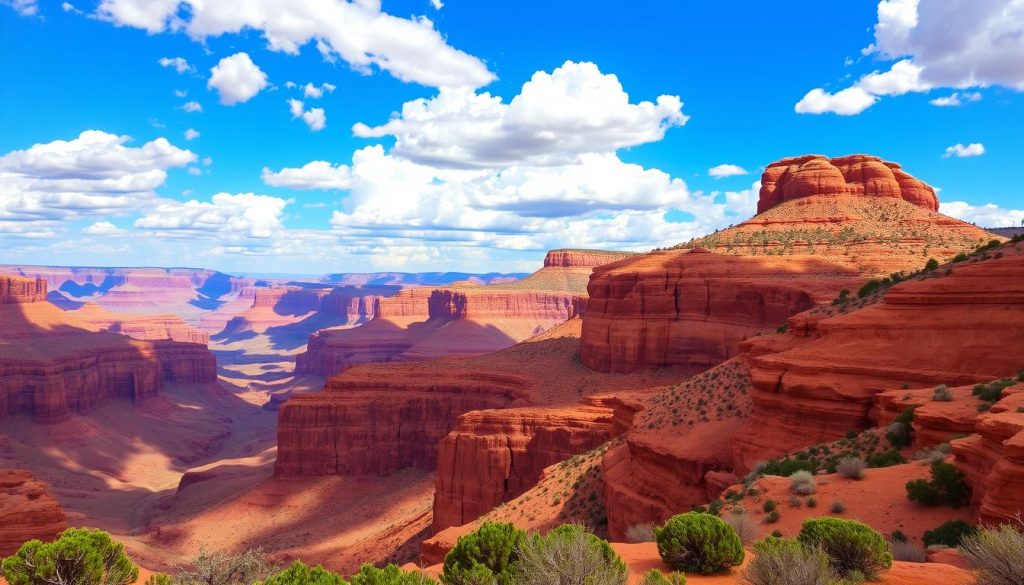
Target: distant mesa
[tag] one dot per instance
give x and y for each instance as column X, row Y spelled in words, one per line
column 859, row 175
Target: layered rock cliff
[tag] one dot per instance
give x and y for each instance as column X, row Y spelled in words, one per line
column 52, row 363
column 27, row 511
column 821, row 229
column 16, row 289
column 148, row 327
column 493, row 456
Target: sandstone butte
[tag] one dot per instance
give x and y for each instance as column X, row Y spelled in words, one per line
column 378, row 418
column 460, row 319
column 27, row 511
column 823, row 225
column 52, row 363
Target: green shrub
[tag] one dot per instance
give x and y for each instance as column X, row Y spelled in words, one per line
column 869, row 288
column 997, row 554
column 493, row 547
column 885, row 459
column 949, row 533
column 772, row 517
column 942, row 393
column 947, row 487
column 699, row 543
column 79, row 556
column 393, row 575
column 812, row 503
column 931, row 265
column 770, row 505
column 159, row 579
column 656, row 577
column 786, row 467
column 850, row 545
column 299, row 573
column 838, row 507
column 568, row 554
column 780, row 561
column 898, row 536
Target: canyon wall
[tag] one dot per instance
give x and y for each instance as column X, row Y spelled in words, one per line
column 27, row 511
column 15, row 289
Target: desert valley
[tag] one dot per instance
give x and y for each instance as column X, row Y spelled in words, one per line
column 376, row 418
column 435, row 292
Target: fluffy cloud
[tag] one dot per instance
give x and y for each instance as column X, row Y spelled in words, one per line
column 987, row 215
column 956, row 99
column 726, row 170
column 177, row 63
column 192, row 107
column 985, row 47
column 191, row 134
column 315, row 118
column 358, row 32
column 103, row 228
column 22, row 7
column 237, row 79
column 317, row 92
column 555, row 118
column 963, row 151
column 93, row 174
column 314, row 175
column 243, row 215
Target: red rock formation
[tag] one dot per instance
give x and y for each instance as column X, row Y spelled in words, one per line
column 52, row 363
column 993, row 460
column 820, row 382
column 823, row 226
column 569, row 258
column 27, row 511
column 16, row 289
column 858, row 175
column 148, row 327
column 493, row 456
column 365, row 423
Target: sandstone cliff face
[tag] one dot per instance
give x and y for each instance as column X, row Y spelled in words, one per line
column 493, row 456
column 364, row 423
column 52, row 363
column 822, row 380
column 27, row 511
column 859, row 175
column 147, row 327
column 571, row 258
column 993, row 460
column 16, row 289
column 691, row 309
column 822, row 226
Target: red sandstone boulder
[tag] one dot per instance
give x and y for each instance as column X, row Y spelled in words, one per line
column 27, row 511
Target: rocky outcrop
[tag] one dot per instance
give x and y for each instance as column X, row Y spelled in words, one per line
column 691, row 309
column 821, row 381
column 859, row 175
column 324, row 306
column 52, row 364
column 493, row 456
column 823, row 226
column 571, row 258
column 365, row 423
column 993, row 460
column 148, row 327
column 27, row 511
column 17, row 289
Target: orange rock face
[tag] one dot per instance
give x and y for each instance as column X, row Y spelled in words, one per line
column 17, row 289
column 492, row 456
column 816, row 384
column 858, row 175
column 149, row 327
column 27, row 511
column 367, row 423
column 52, row 363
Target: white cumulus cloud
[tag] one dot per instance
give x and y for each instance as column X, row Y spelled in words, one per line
column 317, row 91
column 987, row 215
column 358, row 32
column 963, row 151
column 192, row 107
column 318, row 174
column 956, row 99
column 237, row 79
column 315, row 118
column 191, row 134
column 179, row 64
column 242, row 215
column 726, row 170
column 103, row 228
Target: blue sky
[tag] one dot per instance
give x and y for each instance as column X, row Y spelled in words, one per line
column 589, row 154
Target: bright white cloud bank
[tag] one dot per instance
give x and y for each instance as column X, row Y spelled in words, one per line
column 935, row 43
column 358, row 32
column 726, row 170
column 963, row 151
column 987, row 215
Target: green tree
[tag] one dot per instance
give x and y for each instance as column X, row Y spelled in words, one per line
column 568, row 555
column 389, row 575
column 699, row 543
column 494, row 547
column 852, row 547
column 299, row 573
column 78, row 557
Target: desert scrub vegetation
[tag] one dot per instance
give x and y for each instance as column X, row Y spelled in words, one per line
column 641, row 532
column 299, row 573
column 852, row 547
column 744, row 525
column 698, row 542
column 851, row 467
column 492, row 549
column 802, row 483
column 907, row 552
column 77, row 557
column 825, row 457
column 568, row 555
column 950, row 533
column 717, row 394
column 780, row 561
column 942, row 394
column 997, row 554
column 947, row 487
column 656, row 577
column 989, row 394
